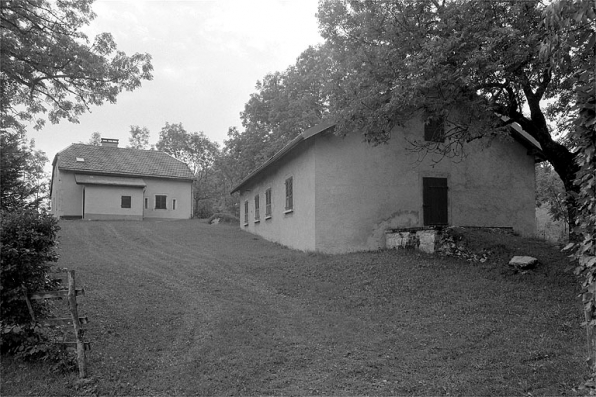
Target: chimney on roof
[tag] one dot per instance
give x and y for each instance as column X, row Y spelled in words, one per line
column 109, row 142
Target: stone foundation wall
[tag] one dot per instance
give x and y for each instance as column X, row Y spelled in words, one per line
column 425, row 240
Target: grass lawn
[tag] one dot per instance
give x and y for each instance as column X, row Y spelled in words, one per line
column 187, row 308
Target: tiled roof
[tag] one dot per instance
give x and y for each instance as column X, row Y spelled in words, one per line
column 120, row 161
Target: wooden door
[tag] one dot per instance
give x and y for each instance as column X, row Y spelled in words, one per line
column 434, row 201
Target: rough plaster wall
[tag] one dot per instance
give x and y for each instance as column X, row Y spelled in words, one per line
column 497, row 187
column 362, row 190
column 295, row 229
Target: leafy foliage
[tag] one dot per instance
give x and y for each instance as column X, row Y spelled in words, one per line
column 95, row 139
column 572, row 35
column 24, row 181
column 199, row 153
column 284, row 104
column 139, row 137
column 50, row 67
column 551, row 192
column 28, row 241
column 31, row 342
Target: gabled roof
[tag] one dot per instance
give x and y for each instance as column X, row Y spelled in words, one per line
column 105, row 160
column 312, row 131
column 517, row 132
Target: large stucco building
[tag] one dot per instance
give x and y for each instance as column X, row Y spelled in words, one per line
column 108, row 182
column 337, row 194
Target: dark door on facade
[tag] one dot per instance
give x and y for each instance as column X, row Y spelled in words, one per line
column 434, row 201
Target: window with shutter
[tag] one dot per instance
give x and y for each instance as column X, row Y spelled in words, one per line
column 289, row 194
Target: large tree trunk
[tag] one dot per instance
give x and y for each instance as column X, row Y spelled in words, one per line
column 558, row 155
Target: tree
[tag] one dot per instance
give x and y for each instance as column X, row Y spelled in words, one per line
column 50, row 67
column 551, row 192
column 36, row 177
column 571, row 43
column 95, row 139
column 285, row 104
column 139, row 137
column 24, row 181
column 196, row 150
column 477, row 64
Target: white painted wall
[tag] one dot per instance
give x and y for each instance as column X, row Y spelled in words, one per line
column 181, row 191
column 294, row 229
column 103, row 202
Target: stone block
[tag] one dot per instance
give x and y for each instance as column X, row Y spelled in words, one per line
column 523, row 262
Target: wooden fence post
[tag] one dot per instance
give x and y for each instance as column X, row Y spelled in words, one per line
column 72, row 304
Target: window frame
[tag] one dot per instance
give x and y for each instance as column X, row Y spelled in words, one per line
column 289, row 184
column 268, row 203
column 257, row 209
column 165, row 201
column 434, row 130
column 123, row 202
column 245, row 212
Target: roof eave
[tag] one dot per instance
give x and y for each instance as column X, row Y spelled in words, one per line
column 130, row 175
column 306, row 134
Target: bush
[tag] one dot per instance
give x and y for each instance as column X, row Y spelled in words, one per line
column 27, row 248
column 31, row 342
column 224, row 218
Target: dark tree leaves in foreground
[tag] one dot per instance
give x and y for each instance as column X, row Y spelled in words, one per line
column 50, row 67
column 563, row 18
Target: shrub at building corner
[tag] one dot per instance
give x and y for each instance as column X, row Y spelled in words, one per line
column 27, row 246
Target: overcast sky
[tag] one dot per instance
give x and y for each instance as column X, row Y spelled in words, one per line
column 207, row 58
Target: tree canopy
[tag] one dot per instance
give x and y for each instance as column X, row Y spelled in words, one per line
column 139, row 137
column 284, row 104
column 469, row 62
column 50, row 67
column 23, row 182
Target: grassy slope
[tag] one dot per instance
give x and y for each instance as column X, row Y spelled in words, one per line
column 186, row 308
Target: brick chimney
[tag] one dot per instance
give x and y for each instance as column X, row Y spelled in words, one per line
column 109, row 142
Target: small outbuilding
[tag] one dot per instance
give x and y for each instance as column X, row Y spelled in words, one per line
column 107, row 182
column 334, row 194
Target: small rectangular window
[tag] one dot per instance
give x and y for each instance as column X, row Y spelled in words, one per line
column 173, row 204
column 268, row 203
column 125, row 201
column 257, row 209
column 160, row 202
column 246, row 212
column 146, row 203
column 289, row 194
column 434, row 130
